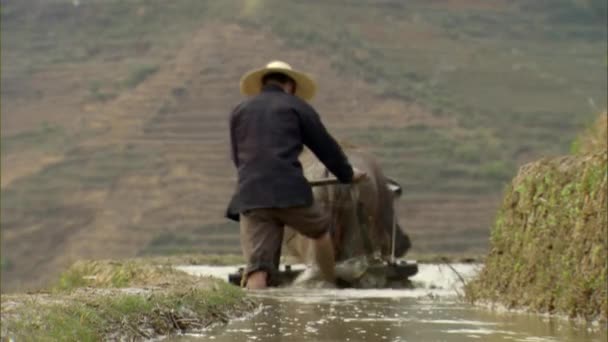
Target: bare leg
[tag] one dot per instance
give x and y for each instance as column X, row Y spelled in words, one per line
column 257, row 280
column 324, row 257
column 261, row 237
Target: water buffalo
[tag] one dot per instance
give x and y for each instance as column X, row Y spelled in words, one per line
column 363, row 213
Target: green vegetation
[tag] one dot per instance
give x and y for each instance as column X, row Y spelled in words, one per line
column 573, row 10
column 469, row 64
column 214, row 238
column 474, row 163
column 507, row 92
column 139, row 73
column 46, row 192
column 47, row 137
column 102, row 91
column 117, row 274
column 594, row 138
column 5, row 264
column 549, row 245
column 82, row 33
column 82, row 310
column 490, row 87
column 96, row 93
column 88, row 317
column 154, row 271
column 493, row 70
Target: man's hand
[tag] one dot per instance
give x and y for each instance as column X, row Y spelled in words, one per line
column 358, row 175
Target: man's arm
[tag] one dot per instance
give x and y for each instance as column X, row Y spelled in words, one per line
column 233, row 147
column 232, row 211
column 323, row 145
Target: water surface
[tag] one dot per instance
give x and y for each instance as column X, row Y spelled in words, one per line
column 431, row 312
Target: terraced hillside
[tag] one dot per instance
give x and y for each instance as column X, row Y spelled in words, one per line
column 114, row 114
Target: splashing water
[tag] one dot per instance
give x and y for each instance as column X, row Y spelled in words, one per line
column 432, row 311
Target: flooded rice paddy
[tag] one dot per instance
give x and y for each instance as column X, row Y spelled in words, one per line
column 433, row 311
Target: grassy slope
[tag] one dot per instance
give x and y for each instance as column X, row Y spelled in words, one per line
column 498, row 92
column 497, row 76
column 549, row 245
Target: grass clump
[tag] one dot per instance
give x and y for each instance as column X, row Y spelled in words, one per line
column 549, row 246
column 595, row 137
column 87, row 316
column 97, row 93
column 117, row 274
column 5, row 264
column 47, row 137
column 121, row 300
column 151, row 271
column 139, row 73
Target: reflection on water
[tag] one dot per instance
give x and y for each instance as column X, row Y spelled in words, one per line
column 430, row 313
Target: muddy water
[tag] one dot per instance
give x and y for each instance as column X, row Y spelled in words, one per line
column 432, row 312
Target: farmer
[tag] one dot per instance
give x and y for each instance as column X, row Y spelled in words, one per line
column 267, row 134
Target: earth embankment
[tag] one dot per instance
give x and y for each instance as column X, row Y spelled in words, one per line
column 549, row 243
column 130, row 300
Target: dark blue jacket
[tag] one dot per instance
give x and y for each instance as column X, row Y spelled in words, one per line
column 267, row 135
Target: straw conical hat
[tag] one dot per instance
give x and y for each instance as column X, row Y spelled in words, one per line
column 251, row 82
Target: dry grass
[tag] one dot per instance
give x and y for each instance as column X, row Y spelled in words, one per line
column 138, row 272
column 117, row 274
column 596, row 137
column 549, row 244
column 121, row 300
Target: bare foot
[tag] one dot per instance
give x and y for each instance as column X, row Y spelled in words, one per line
column 257, row 280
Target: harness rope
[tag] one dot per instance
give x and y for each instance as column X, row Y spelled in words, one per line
column 394, row 237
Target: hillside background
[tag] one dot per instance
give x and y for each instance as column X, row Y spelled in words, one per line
column 114, row 113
